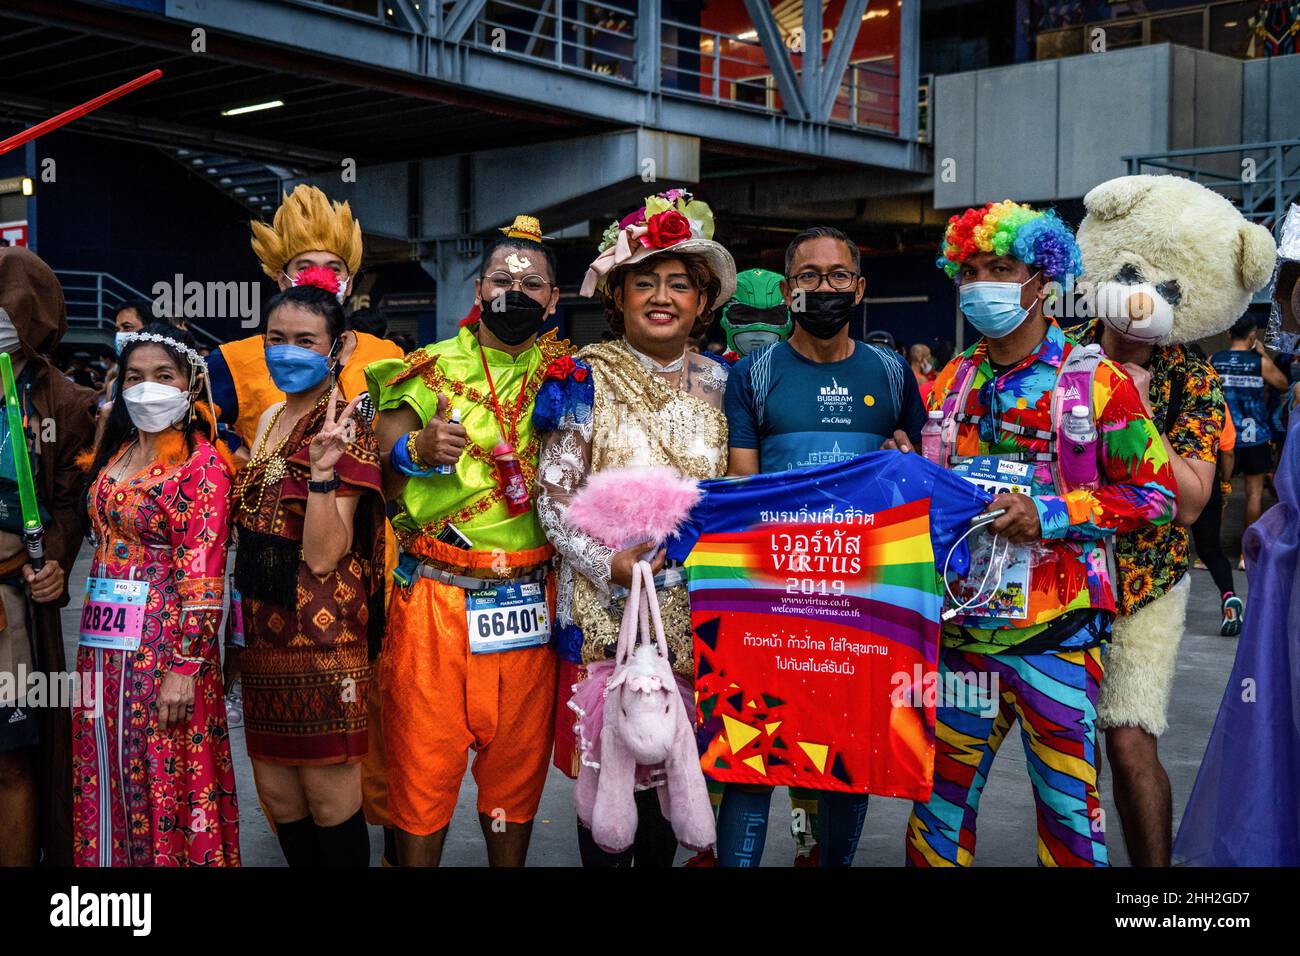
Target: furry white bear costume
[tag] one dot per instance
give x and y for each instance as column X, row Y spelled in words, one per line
column 1141, row 235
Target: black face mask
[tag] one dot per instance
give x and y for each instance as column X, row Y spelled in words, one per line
column 521, row 317
column 824, row 313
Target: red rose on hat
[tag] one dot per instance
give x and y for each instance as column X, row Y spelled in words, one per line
column 667, row 229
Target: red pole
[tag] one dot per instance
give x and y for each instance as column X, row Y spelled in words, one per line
column 40, row 129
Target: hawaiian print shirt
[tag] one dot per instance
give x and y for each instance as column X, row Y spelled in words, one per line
column 1070, row 571
column 1154, row 558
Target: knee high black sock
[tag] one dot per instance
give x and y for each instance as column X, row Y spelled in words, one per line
column 594, row 857
column 298, row 842
column 390, row 847
column 347, row 844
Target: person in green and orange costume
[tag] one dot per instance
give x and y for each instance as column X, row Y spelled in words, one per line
column 468, row 662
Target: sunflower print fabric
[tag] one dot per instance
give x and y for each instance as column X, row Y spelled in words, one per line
column 1152, row 559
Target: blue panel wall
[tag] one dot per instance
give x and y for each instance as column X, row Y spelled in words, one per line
column 131, row 211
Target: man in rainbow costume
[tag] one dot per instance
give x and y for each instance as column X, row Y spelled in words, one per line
column 1061, row 437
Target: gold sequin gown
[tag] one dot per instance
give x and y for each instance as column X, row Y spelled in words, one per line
column 640, row 418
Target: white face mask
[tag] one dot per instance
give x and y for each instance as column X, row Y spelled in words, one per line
column 154, row 407
column 1136, row 312
column 9, row 341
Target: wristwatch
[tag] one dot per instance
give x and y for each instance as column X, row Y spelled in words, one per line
column 323, row 487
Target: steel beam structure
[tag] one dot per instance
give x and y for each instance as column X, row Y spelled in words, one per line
column 837, row 58
column 499, row 76
column 769, row 35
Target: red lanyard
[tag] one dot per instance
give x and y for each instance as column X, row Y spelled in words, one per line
column 513, row 436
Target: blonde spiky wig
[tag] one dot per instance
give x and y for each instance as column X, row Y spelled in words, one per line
column 307, row 222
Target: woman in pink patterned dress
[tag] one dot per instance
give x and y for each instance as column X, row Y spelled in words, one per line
column 153, row 782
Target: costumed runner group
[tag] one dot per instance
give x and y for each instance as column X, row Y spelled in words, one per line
column 682, row 579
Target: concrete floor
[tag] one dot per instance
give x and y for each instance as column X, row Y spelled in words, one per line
column 1006, row 831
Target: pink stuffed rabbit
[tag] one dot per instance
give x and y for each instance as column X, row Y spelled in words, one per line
column 646, row 726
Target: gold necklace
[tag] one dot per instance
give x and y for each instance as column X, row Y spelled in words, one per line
column 276, row 466
column 273, row 467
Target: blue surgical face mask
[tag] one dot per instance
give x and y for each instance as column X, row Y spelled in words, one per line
column 117, row 340
column 296, row 369
column 994, row 307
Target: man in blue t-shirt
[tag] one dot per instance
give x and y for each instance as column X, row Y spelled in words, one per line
column 819, row 397
column 1247, row 373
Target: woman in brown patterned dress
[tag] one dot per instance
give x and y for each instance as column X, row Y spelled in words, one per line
column 309, row 512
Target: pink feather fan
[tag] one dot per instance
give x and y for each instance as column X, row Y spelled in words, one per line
column 621, row 507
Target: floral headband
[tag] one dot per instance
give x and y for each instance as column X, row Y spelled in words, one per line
column 194, row 357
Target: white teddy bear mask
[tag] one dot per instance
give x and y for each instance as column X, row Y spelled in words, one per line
column 1170, row 260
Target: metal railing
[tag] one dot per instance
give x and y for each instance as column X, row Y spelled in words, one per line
column 594, row 38
column 1261, row 179
column 1223, row 27
column 93, row 299
column 868, row 96
column 602, row 39
column 718, row 67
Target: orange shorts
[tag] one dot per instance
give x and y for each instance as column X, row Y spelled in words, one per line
column 439, row 702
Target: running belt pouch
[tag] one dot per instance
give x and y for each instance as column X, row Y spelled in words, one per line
column 266, row 567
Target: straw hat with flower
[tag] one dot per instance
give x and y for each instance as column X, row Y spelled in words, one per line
column 673, row 223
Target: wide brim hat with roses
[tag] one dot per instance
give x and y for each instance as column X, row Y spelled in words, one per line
column 671, row 223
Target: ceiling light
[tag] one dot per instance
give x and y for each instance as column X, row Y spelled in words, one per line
column 255, row 108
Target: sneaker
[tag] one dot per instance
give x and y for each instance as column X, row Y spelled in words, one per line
column 1233, row 610
column 812, row 858
column 703, row 858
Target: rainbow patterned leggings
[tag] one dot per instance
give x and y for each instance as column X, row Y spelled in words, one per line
column 1054, row 695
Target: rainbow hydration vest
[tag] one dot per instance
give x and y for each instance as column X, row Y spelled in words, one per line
column 1069, row 462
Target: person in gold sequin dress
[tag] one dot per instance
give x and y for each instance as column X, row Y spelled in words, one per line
column 654, row 403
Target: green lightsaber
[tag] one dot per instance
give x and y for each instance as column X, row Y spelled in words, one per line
column 33, row 533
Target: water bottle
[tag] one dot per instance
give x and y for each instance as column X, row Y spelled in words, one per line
column 1078, row 458
column 510, row 479
column 449, row 469
column 932, row 439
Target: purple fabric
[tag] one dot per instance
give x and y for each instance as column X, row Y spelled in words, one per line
column 1245, row 807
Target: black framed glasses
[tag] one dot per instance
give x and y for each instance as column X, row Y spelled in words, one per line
column 841, row 280
column 504, row 282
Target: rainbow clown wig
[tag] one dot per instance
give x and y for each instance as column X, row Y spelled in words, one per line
column 1038, row 239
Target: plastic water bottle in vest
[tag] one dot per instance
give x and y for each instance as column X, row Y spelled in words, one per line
column 932, row 439
column 1078, row 458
